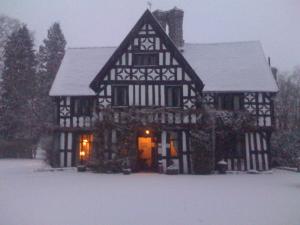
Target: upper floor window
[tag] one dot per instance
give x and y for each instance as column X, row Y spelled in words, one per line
column 173, row 96
column 229, row 102
column 120, row 96
column 82, row 107
column 145, row 59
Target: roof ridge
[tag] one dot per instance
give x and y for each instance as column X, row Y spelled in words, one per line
column 225, row 42
column 188, row 43
column 92, row 47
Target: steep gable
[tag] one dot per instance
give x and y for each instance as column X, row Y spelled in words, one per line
column 148, row 37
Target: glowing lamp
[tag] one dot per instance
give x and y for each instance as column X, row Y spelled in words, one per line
column 82, row 153
column 84, row 141
column 147, row 131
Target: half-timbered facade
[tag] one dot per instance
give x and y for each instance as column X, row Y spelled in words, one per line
column 162, row 77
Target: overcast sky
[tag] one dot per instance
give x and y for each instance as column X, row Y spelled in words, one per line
column 276, row 23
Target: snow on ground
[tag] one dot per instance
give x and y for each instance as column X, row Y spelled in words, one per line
column 30, row 197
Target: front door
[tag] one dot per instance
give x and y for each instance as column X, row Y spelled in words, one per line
column 146, row 154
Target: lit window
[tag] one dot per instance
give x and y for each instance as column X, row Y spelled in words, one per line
column 85, row 147
column 173, row 140
column 173, row 96
column 120, row 96
column 145, row 59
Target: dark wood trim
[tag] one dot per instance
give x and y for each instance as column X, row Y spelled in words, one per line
column 147, row 18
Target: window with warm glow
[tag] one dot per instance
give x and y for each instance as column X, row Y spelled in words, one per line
column 85, row 148
column 173, row 144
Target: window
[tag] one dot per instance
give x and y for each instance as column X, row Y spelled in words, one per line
column 120, row 96
column 229, row 102
column 173, row 96
column 235, row 145
column 238, row 153
column 145, row 59
column 173, row 150
column 173, row 140
column 85, row 147
column 82, row 107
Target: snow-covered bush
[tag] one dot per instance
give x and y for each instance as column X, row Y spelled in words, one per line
column 18, row 148
column 203, row 155
column 285, row 148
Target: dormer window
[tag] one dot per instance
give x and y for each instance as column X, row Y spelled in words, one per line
column 145, row 59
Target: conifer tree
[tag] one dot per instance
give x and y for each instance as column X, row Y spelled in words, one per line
column 7, row 26
column 18, row 86
column 49, row 59
column 51, row 54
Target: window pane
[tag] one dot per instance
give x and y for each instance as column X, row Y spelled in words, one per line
column 83, row 107
column 228, row 102
column 173, row 144
column 176, row 97
column 173, row 96
column 120, row 96
column 236, row 102
column 145, row 59
column 85, row 147
column 169, row 96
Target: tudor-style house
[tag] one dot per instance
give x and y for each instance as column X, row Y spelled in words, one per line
column 154, row 69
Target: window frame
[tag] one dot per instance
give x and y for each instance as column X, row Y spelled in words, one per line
column 85, row 106
column 144, row 54
column 166, row 96
column 114, row 87
column 221, row 101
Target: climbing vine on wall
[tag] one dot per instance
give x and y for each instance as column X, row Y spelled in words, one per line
column 113, row 155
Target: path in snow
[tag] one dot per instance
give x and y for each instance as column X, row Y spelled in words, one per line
column 71, row 198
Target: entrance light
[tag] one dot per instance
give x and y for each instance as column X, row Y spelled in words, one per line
column 82, row 153
column 84, row 141
column 147, row 131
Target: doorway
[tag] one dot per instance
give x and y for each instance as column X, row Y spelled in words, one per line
column 146, row 154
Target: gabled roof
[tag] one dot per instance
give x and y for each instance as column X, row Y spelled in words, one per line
column 146, row 18
column 223, row 67
column 77, row 70
column 231, row 67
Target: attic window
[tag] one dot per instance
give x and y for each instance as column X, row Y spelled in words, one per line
column 145, row 59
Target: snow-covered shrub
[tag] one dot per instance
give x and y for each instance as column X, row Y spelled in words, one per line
column 285, row 148
column 47, row 143
column 17, row 148
column 203, row 155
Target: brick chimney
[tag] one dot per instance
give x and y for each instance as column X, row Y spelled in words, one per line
column 161, row 16
column 174, row 19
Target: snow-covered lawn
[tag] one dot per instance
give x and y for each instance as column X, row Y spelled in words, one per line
column 28, row 197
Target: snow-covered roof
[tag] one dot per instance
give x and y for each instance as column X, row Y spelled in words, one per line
column 78, row 68
column 235, row 66
column 223, row 67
